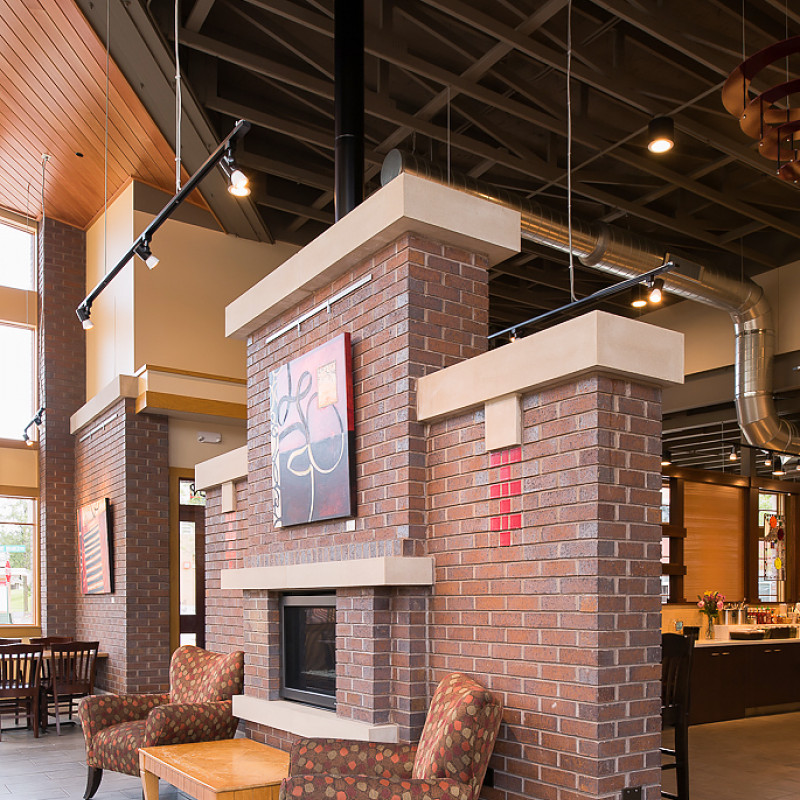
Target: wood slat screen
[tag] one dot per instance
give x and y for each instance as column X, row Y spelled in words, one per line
column 714, row 548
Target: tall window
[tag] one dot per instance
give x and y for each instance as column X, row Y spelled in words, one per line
column 17, row 560
column 771, row 548
column 17, row 329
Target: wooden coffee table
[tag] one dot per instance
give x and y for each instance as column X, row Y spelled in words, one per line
column 230, row 769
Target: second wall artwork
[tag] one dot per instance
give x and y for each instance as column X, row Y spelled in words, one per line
column 313, row 435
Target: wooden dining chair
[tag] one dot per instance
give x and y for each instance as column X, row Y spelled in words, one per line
column 71, row 674
column 20, row 674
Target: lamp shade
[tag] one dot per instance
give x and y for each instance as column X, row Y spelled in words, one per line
column 661, row 135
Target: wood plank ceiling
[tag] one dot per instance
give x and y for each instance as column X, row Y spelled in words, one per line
column 53, row 100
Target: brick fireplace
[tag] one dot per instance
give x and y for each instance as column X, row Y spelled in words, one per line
column 507, row 504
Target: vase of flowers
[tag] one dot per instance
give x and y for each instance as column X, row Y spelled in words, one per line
column 710, row 604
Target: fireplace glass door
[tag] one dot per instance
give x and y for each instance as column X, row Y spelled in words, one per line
column 308, row 649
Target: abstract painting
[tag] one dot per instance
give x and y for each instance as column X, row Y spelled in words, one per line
column 313, row 440
column 93, row 547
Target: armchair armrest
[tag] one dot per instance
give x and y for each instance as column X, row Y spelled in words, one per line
column 101, row 711
column 343, row 757
column 178, row 723
column 360, row 786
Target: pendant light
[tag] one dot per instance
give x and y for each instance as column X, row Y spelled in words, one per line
column 661, row 133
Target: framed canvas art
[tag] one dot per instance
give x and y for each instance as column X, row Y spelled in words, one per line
column 94, row 547
column 312, row 433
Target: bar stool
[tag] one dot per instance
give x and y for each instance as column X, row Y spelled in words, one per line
column 676, row 669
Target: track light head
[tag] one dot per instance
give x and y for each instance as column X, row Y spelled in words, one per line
column 238, row 182
column 143, row 251
column 656, row 294
column 83, row 312
column 661, row 133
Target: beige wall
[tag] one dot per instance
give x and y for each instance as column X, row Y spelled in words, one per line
column 19, row 469
column 184, row 449
column 109, row 345
column 180, row 305
column 173, row 315
column 709, row 332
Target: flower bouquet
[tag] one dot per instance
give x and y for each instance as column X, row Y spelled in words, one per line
column 710, row 604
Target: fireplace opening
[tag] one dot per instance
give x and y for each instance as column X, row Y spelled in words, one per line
column 308, row 649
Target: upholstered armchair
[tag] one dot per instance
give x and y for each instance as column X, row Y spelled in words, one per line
column 196, row 709
column 449, row 762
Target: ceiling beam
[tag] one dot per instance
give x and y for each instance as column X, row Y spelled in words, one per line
column 139, row 51
column 197, row 16
column 382, row 108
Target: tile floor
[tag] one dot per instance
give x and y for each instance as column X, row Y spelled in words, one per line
column 749, row 759
column 54, row 768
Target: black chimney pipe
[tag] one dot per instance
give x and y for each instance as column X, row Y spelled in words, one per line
column 348, row 63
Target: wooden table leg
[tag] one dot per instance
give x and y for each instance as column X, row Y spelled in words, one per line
column 149, row 785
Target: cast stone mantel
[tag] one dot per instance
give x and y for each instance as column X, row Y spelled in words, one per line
column 353, row 573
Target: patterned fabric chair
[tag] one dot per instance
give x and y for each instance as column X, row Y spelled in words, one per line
column 449, row 762
column 196, row 709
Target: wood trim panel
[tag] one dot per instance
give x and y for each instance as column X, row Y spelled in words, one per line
column 192, row 374
column 155, row 402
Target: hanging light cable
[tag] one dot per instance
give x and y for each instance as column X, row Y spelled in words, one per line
column 572, row 296
column 178, row 103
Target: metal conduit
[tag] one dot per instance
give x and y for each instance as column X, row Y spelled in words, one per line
column 619, row 253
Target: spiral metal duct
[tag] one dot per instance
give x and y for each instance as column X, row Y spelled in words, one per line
column 619, row 253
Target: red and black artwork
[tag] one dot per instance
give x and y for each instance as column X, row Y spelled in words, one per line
column 313, row 440
column 93, row 547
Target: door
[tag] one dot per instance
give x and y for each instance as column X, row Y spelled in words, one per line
column 188, row 562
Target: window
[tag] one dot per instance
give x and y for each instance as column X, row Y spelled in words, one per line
column 17, row 560
column 16, row 245
column 665, row 541
column 771, row 548
column 191, row 580
column 17, row 368
column 17, row 329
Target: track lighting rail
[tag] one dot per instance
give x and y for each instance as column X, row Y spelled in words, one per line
column 142, row 244
column 592, row 298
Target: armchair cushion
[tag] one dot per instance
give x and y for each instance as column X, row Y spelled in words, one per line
column 176, row 722
column 363, row 786
column 345, row 757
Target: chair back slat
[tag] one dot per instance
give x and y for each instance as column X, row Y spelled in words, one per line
column 20, row 670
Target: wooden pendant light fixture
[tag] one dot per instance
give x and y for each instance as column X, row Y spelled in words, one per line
column 776, row 128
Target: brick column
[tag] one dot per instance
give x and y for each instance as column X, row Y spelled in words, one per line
column 125, row 458
column 225, row 548
column 548, row 550
column 62, row 377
